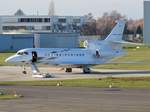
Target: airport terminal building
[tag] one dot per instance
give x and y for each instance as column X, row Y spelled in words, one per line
column 18, row 31
column 37, row 23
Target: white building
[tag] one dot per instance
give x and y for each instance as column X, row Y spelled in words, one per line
column 19, row 31
column 36, row 23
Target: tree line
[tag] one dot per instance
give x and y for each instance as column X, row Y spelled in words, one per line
column 103, row 25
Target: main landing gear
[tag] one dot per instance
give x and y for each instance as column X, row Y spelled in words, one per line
column 86, row 70
column 68, row 70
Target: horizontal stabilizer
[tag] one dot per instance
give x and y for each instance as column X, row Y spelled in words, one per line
column 126, row 42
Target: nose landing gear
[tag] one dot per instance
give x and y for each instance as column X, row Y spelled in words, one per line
column 24, row 70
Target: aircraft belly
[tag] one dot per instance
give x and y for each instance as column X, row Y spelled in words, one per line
column 74, row 61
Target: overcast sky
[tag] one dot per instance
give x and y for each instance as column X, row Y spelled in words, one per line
column 130, row 8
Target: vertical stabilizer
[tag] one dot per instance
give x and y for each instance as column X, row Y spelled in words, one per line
column 117, row 32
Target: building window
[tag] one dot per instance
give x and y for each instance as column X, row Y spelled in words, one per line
column 46, row 20
column 46, row 28
column 14, row 28
column 62, row 20
column 76, row 20
column 30, row 27
column 28, row 20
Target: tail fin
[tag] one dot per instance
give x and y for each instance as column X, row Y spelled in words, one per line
column 114, row 39
column 117, row 32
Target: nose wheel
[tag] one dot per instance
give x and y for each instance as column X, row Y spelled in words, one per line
column 24, row 70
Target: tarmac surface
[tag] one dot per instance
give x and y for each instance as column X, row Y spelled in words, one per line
column 76, row 99
column 14, row 73
column 73, row 99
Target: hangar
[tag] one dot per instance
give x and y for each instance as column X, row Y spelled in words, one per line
column 15, row 42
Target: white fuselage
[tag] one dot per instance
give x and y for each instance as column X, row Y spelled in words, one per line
column 65, row 56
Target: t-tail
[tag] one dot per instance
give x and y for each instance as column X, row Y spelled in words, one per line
column 114, row 39
column 117, row 33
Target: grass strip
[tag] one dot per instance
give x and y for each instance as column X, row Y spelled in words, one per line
column 8, row 97
column 136, row 82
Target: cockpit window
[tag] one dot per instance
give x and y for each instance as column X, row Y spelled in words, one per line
column 22, row 53
column 26, row 53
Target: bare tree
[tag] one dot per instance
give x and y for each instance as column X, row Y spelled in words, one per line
column 107, row 21
column 90, row 27
column 103, row 25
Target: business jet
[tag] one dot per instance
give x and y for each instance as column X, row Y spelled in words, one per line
column 96, row 52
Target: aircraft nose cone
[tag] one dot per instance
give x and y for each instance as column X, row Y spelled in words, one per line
column 8, row 60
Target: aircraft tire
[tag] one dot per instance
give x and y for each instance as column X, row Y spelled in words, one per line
column 86, row 70
column 24, row 72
